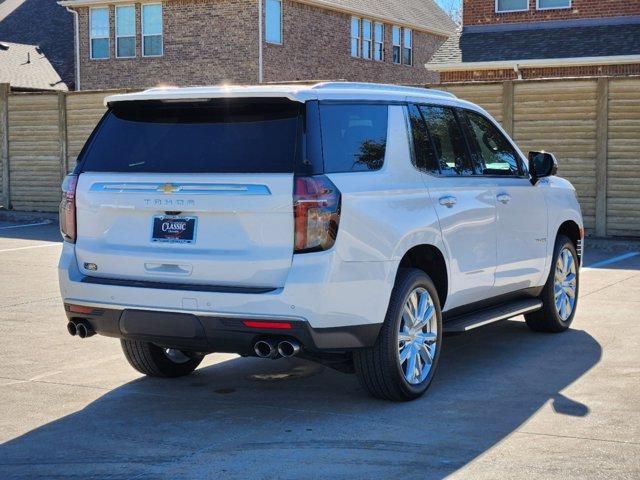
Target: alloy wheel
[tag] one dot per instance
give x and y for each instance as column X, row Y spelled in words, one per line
column 565, row 284
column 417, row 336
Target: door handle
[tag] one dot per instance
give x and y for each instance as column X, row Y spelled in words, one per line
column 448, row 201
column 504, row 198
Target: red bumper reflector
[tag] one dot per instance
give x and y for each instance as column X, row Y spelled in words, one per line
column 267, row 325
column 80, row 309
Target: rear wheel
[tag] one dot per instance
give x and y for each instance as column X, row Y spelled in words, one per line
column 402, row 363
column 560, row 294
column 156, row 361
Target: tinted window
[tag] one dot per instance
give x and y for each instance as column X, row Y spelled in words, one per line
column 424, row 155
column 218, row 136
column 495, row 155
column 354, row 137
column 447, row 140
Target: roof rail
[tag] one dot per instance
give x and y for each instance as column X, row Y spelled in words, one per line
column 383, row 86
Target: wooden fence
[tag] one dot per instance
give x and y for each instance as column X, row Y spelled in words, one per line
column 592, row 125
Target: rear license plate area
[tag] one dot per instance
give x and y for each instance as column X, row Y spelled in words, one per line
column 174, row 229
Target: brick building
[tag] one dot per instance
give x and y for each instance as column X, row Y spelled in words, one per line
column 526, row 39
column 124, row 44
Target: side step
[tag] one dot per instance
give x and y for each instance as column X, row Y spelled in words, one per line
column 469, row 321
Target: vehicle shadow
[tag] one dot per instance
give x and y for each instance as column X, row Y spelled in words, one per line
column 251, row 418
column 47, row 232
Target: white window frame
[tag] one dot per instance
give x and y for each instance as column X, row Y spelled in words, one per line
column 135, row 39
column 281, row 24
column 376, row 42
column 155, row 34
column 399, row 45
column 538, row 7
column 402, row 32
column 358, row 38
column 108, row 37
column 509, row 11
column 363, row 39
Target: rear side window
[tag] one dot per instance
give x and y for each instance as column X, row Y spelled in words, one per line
column 447, row 140
column 354, row 136
column 215, row 136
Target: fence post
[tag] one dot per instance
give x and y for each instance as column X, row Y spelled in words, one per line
column 602, row 137
column 4, row 144
column 62, row 134
column 507, row 106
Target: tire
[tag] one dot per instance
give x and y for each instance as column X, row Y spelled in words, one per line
column 379, row 368
column 551, row 318
column 156, row 361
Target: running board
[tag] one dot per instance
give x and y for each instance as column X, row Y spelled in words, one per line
column 469, row 321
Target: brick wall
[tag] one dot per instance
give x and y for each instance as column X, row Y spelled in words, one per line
column 541, row 72
column 316, row 45
column 482, row 12
column 205, row 42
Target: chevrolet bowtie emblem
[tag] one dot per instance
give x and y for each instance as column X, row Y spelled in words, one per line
column 168, row 188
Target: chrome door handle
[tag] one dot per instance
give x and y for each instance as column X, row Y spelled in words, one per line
column 448, row 201
column 504, row 198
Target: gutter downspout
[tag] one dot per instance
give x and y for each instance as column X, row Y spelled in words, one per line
column 76, row 44
column 259, row 41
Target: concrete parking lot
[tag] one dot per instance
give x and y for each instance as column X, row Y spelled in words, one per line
column 506, row 403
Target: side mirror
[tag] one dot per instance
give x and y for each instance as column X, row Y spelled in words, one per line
column 542, row 164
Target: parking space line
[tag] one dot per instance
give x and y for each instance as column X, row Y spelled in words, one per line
column 26, row 225
column 26, row 248
column 616, row 259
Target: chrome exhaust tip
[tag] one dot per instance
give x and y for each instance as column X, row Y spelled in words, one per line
column 265, row 349
column 72, row 329
column 288, row 348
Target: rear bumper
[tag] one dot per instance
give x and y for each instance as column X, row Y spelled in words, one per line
column 206, row 333
column 331, row 305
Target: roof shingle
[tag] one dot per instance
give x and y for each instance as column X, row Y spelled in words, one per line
column 26, row 67
column 548, row 43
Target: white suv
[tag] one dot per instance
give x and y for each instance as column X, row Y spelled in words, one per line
column 349, row 224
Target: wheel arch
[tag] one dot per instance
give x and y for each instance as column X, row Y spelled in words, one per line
column 574, row 232
column 430, row 260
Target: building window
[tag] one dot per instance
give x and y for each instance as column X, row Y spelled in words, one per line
column 378, row 41
column 125, row 31
column 366, row 39
column 99, row 32
column 152, row 30
column 552, row 4
column 273, row 21
column 511, row 5
column 396, row 39
column 407, row 47
column 355, row 37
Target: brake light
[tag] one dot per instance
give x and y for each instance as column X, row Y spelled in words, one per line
column 68, row 208
column 267, row 325
column 316, row 208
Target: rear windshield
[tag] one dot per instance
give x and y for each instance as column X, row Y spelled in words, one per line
column 215, row 136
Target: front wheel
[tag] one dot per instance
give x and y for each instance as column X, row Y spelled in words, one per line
column 560, row 293
column 402, row 363
column 156, row 361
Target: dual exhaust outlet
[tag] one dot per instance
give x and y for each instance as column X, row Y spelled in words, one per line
column 269, row 348
column 82, row 329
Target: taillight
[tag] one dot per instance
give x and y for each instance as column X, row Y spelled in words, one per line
column 316, row 207
column 68, row 208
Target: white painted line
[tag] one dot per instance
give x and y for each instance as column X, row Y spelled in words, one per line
column 26, row 225
column 617, row 259
column 26, row 248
